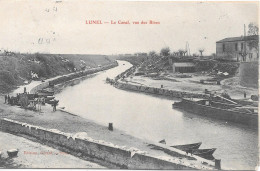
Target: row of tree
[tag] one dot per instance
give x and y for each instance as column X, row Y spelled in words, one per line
column 167, row 52
column 252, row 30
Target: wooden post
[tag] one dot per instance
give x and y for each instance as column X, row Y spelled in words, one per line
column 110, row 126
column 218, row 164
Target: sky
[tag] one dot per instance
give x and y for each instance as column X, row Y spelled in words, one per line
column 49, row 26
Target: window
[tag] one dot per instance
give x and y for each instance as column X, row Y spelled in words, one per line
column 223, row 47
column 236, row 47
column 242, row 46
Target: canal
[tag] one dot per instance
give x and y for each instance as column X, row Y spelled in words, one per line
column 152, row 117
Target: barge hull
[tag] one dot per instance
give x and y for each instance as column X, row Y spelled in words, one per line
column 250, row 120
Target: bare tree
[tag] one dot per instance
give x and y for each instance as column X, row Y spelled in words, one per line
column 181, row 52
column 175, row 53
column 184, row 52
column 201, row 51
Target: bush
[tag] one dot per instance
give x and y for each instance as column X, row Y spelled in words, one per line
column 7, row 77
column 71, row 65
column 40, row 58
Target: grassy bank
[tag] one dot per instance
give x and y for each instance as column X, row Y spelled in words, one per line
column 17, row 69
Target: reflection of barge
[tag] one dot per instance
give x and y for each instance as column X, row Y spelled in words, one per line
column 224, row 110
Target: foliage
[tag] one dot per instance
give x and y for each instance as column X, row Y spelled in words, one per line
column 165, row 51
column 252, row 29
column 152, row 53
column 7, row 77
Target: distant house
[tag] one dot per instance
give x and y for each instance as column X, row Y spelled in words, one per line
column 242, row 48
column 183, row 67
column 140, row 54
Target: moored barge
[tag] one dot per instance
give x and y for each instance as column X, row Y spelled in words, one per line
column 224, row 110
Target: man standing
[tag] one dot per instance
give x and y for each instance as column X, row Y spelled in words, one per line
column 5, row 98
column 8, row 99
column 54, row 105
column 244, row 94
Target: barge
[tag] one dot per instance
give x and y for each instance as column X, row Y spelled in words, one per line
column 223, row 110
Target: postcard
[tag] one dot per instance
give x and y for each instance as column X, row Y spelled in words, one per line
column 129, row 84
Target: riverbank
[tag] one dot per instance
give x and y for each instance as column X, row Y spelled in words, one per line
column 187, row 88
column 18, row 68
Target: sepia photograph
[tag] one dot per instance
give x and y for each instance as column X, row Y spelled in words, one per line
column 131, row 85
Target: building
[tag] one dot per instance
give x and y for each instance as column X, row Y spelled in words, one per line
column 183, row 67
column 244, row 48
column 140, row 54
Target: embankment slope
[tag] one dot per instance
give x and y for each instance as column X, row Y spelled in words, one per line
column 17, row 68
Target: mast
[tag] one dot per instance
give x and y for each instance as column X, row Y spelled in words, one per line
column 188, row 48
column 245, row 39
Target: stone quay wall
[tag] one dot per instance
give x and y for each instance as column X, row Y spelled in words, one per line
column 125, row 158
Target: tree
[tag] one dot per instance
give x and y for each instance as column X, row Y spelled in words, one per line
column 201, row 51
column 152, row 53
column 165, row 51
column 181, row 52
column 184, row 52
column 175, row 54
column 252, row 29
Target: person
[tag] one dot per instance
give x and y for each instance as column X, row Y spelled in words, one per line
column 54, row 106
column 5, row 98
column 244, row 94
column 8, row 99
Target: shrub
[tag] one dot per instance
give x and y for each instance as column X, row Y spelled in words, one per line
column 7, row 77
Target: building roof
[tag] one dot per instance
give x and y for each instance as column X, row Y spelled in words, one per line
column 184, row 64
column 241, row 38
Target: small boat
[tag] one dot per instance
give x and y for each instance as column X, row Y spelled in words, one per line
column 188, row 147
column 45, row 93
column 204, row 152
column 48, row 90
column 49, row 98
column 155, row 147
column 51, row 102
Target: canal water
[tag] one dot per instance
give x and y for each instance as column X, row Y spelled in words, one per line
column 152, row 118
